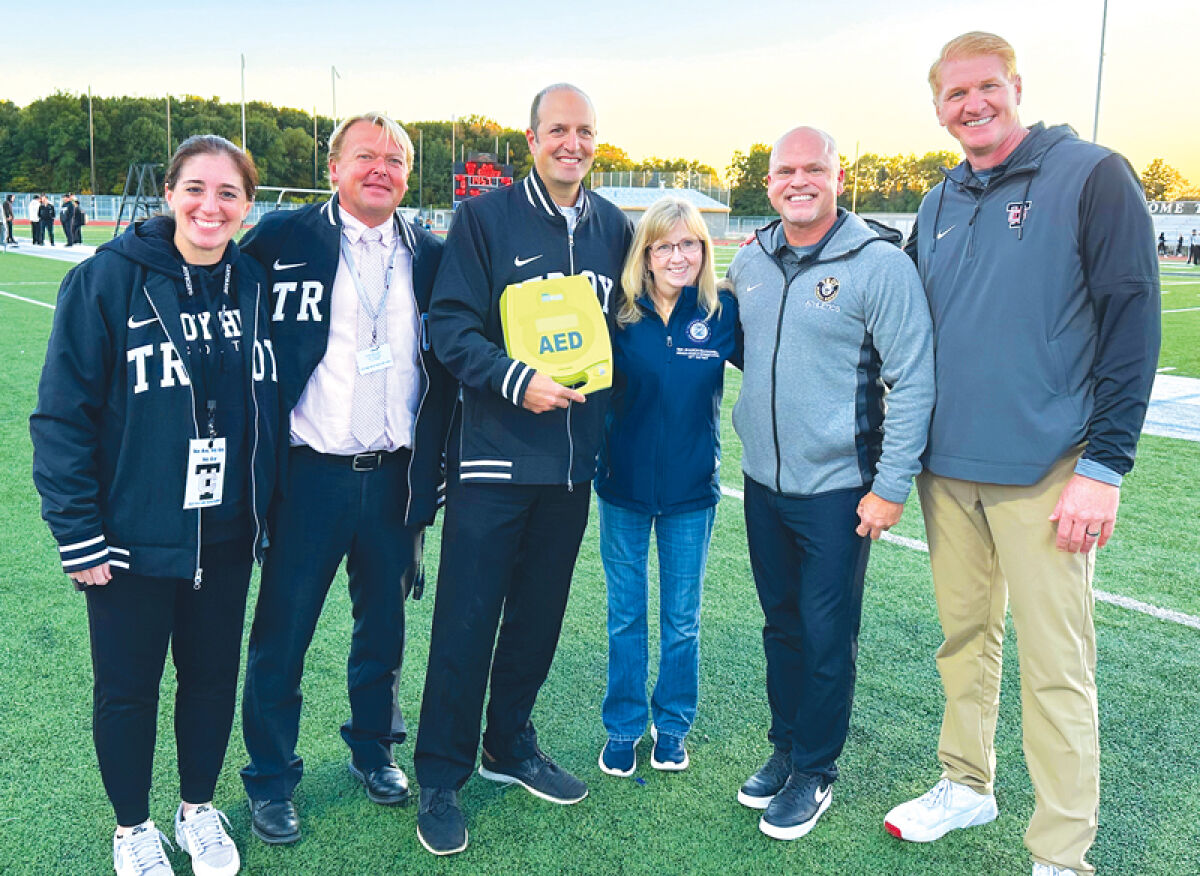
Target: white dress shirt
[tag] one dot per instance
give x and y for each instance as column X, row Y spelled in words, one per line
column 321, row 418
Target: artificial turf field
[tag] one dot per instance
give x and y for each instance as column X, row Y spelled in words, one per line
column 54, row 817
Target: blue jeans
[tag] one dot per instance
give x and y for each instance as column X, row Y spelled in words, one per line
column 682, row 554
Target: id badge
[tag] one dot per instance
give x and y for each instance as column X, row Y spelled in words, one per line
column 205, row 473
column 372, row 359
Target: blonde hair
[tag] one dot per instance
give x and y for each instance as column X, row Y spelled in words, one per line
column 636, row 280
column 397, row 134
column 972, row 45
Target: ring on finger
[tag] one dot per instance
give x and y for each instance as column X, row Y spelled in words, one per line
column 1091, row 534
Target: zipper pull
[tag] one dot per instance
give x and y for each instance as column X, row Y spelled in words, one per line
column 197, row 578
column 670, row 343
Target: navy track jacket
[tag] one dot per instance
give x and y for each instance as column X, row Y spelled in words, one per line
column 510, row 236
column 299, row 249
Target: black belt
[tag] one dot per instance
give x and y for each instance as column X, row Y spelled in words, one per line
column 370, row 461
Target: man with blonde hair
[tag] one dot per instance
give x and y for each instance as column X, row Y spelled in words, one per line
column 1037, row 256
column 366, row 400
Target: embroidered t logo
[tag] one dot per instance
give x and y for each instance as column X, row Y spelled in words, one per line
column 1017, row 211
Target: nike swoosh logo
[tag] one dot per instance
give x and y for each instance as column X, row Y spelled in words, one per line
column 278, row 266
column 520, row 262
column 942, row 234
column 752, row 288
column 818, row 796
column 138, row 323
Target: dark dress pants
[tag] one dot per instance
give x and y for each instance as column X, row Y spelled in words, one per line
column 329, row 511
column 508, row 553
column 809, row 567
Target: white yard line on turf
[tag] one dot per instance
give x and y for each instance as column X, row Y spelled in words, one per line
column 1154, row 611
column 27, row 300
column 1182, row 310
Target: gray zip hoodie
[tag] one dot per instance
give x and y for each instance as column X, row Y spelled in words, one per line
column 838, row 383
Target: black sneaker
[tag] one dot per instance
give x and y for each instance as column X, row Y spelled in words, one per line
column 767, row 782
column 538, row 774
column 441, row 827
column 794, row 811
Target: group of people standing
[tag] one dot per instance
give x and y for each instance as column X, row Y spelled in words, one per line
column 41, row 219
column 316, row 393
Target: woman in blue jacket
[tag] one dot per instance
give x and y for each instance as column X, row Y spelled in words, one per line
column 659, row 468
column 153, row 442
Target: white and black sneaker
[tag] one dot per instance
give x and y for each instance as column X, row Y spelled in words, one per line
column 202, row 835
column 140, row 852
column 794, row 811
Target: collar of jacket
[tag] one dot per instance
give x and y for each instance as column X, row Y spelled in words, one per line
column 689, row 297
column 330, row 211
column 1028, row 157
column 539, row 198
column 773, row 240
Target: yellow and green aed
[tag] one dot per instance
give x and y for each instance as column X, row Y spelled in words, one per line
column 556, row 326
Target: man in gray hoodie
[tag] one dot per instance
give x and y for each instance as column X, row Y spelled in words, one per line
column 834, row 320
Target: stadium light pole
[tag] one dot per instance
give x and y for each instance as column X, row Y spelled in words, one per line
column 92, row 150
column 334, row 76
column 243, row 57
column 169, row 150
column 1099, row 73
column 314, row 145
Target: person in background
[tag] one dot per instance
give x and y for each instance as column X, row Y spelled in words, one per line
column 46, row 218
column 154, row 454
column 659, row 469
column 33, row 210
column 66, row 217
column 8, row 219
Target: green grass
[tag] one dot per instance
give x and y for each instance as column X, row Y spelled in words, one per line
column 54, row 817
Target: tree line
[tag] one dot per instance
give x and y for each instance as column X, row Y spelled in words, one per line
column 44, row 147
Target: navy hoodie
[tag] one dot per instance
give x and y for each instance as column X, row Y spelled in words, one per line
column 118, row 402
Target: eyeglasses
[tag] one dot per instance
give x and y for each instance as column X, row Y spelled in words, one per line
column 689, row 246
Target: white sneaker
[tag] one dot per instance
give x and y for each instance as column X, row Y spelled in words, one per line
column 140, row 852
column 945, row 807
column 203, row 837
column 1040, row 869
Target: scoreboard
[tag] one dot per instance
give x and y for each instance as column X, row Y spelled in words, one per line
column 481, row 173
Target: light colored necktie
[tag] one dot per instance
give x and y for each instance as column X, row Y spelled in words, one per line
column 369, row 402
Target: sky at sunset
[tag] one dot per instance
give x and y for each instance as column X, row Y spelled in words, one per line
column 697, row 80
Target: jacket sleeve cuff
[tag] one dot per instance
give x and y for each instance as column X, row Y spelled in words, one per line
column 1097, row 471
column 79, row 555
column 516, row 381
column 891, row 489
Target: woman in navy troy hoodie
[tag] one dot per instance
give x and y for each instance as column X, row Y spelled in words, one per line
column 658, row 468
column 154, row 453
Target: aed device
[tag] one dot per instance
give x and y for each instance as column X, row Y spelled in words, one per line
column 557, row 327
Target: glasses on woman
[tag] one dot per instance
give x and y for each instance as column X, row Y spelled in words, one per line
column 687, row 246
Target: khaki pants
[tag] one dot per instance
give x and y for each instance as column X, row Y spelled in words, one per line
column 989, row 543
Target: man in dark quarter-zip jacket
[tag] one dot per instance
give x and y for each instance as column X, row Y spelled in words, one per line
column 1037, row 257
